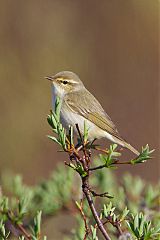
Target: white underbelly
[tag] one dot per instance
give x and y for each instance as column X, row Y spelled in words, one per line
column 69, row 118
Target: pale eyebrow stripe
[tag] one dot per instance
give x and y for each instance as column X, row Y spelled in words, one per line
column 72, row 81
column 66, row 79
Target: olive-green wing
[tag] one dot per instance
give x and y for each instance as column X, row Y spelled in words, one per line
column 90, row 108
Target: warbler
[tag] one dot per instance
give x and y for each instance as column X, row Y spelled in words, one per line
column 79, row 105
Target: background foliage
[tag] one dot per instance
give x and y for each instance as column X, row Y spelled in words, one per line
column 58, row 193
column 112, row 45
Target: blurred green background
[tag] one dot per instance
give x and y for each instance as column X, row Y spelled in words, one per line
column 111, row 45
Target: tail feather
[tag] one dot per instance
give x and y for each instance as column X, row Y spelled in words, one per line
column 132, row 149
column 126, row 145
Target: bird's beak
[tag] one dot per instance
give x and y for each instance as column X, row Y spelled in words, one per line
column 50, row 78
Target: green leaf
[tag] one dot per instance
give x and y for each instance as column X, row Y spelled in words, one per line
column 36, row 230
column 110, row 158
column 94, row 233
column 81, row 170
column 71, row 135
column 124, row 214
column 58, row 107
column 141, row 228
column 86, row 129
column 78, row 205
column 54, row 139
column 144, row 155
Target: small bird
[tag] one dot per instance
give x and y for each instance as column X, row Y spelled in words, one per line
column 79, row 105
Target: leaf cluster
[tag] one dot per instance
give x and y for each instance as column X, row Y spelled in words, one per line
column 110, row 160
column 9, row 217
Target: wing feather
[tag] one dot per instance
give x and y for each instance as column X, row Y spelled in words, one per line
column 95, row 113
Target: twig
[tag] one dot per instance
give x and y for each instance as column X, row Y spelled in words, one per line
column 79, row 133
column 98, row 167
column 101, row 150
column 118, row 162
column 84, row 149
column 115, row 224
column 18, row 226
column 105, row 194
column 85, row 188
column 87, row 230
column 114, row 163
column 22, row 229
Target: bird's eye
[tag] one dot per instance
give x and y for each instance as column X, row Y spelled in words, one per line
column 64, row 82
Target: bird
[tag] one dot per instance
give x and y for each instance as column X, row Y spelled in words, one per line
column 79, row 105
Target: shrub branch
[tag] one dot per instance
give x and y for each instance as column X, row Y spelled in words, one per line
column 80, row 161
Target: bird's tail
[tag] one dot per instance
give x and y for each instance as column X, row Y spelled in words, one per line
column 126, row 145
column 132, row 149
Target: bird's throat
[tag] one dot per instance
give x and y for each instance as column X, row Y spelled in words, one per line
column 57, row 91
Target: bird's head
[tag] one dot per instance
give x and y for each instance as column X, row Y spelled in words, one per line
column 66, row 82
